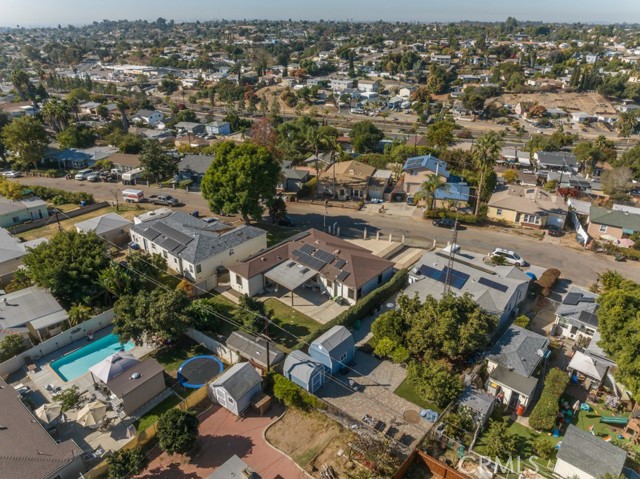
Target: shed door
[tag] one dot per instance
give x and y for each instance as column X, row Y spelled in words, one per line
column 221, row 397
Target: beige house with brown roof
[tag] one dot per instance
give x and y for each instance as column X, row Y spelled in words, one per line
column 347, row 179
column 528, row 206
column 315, row 260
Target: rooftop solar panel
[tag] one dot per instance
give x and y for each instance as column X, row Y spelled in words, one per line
column 342, row 275
column 340, row 263
column 308, row 260
column 493, row 284
column 572, row 299
column 307, row 248
column 587, row 299
column 457, row 279
column 173, row 233
column 324, row 256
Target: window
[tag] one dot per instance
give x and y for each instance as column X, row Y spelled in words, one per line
column 164, row 253
column 343, row 357
column 603, row 228
column 499, row 212
column 198, row 268
column 351, row 294
column 531, row 219
column 191, row 268
column 231, row 252
column 16, row 219
column 238, row 280
column 229, row 400
column 379, row 279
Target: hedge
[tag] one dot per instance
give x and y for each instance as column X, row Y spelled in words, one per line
column 543, row 416
column 62, row 196
column 362, row 308
column 462, row 218
column 630, row 253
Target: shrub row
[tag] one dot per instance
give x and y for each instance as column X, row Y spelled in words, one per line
column 630, row 253
column 293, row 395
column 443, row 213
column 543, row 416
column 60, row 196
column 363, row 307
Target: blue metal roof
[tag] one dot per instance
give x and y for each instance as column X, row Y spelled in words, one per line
column 453, row 191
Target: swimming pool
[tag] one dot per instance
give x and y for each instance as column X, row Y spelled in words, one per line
column 78, row 362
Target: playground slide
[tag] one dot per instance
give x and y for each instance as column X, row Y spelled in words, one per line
column 615, row 420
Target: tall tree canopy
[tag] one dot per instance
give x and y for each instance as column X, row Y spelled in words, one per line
column 157, row 162
column 69, row 266
column 154, row 316
column 365, row 136
column 27, row 140
column 177, row 431
column 241, row 179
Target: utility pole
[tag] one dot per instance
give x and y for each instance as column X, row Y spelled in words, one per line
column 452, row 253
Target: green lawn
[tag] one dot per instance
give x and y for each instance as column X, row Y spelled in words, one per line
column 292, row 321
column 153, row 415
column 406, row 391
column 276, row 234
column 171, row 357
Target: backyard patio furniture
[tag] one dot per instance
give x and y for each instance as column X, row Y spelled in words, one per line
column 92, row 414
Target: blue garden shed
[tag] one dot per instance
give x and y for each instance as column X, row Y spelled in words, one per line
column 304, row 371
column 334, row 349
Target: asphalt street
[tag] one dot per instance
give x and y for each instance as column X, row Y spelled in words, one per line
column 581, row 267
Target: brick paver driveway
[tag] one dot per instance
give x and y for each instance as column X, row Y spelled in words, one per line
column 222, row 435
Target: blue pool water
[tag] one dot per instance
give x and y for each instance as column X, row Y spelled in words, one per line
column 78, row 362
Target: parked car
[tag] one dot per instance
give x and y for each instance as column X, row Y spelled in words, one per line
column 445, row 223
column 410, row 201
column 165, row 200
column 93, row 177
column 510, row 257
column 83, row 174
column 12, row 174
column 554, row 231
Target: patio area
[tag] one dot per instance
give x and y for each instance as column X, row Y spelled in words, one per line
column 309, row 301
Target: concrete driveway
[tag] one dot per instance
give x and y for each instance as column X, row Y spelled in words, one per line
column 222, row 435
column 376, row 380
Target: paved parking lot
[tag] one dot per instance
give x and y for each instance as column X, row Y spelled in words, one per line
column 222, row 435
column 376, row 380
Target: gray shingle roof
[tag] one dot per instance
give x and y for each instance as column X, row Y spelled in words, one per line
column 26, row 305
column 301, row 365
column 577, row 310
column 591, row 454
column 234, row 468
column 238, row 380
column 515, row 381
column 619, row 219
column 193, row 239
column 517, row 350
column 333, row 338
column 556, row 158
column 196, row 163
column 103, row 224
column 10, row 247
column 254, row 348
column 26, row 448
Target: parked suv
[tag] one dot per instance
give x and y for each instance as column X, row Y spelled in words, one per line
column 510, row 257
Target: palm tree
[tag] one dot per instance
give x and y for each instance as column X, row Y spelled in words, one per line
column 428, row 190
column 627, row 123
column 485, row 153
column 56, row 114
column 320, row 139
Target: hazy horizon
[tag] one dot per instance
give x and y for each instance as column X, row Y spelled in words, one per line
column 35, row 13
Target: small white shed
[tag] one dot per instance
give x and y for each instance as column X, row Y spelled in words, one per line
column 235, row 388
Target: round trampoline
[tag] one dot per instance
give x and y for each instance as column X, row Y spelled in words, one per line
column 197, row 371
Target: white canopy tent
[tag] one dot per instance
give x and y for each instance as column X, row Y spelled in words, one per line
column 114, row 365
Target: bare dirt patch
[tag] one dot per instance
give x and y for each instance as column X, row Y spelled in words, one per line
column 590, row 102
column 302, row 435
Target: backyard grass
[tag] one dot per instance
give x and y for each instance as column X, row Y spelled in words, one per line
column 406, row 391
column 292, row 321
column 152, row 416
column 51, row 229
column 171, row 357
column 276, row 234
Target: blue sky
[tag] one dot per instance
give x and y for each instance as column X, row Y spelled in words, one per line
column 52, row 12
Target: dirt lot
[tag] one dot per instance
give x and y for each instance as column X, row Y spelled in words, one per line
column 573, row 102
column 302, row 435
column 315, row 441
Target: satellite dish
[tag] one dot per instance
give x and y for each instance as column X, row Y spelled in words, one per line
column 135, row 376
column 540, row 353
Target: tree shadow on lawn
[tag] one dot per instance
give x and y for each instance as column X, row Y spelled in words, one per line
column 290, row 337
column 213, row 451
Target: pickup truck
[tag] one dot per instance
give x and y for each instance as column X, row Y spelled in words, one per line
column 166, row 200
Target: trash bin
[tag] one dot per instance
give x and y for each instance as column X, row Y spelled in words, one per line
column 83, row 203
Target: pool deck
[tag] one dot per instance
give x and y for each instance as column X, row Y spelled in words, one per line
column 44, row 375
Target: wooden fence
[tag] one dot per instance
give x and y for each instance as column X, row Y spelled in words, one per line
column 435, row 467
column 16, row 230
column 101, row 469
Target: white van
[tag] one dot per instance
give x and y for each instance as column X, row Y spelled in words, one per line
column 82, row 174
column 132, row 196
